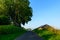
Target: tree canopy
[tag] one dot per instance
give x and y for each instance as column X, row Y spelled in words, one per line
column 19, row 11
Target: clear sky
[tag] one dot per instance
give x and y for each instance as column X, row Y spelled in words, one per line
column 45, row 12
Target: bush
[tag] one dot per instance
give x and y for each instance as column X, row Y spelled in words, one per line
column 9, row 29
column 4, row 20
column 10, row 32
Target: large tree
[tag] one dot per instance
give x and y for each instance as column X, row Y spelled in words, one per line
column 4, row 19
column 2, row 8
column 19, row 11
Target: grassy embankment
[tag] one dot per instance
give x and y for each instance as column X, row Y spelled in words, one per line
column 10, row 32
column 48, row 33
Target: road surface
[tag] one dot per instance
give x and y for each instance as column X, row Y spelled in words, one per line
column 29, row 36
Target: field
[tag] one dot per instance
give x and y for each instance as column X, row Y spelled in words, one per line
column 10, row 32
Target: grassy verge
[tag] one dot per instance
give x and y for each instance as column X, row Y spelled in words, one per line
column 47, row 35
column 10, row 32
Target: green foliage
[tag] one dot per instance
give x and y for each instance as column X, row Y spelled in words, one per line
column 9, row 29
column 2, row 7
column 47, row 32
column 4, row 20
column 47, row 35
column 11, row 36
column 10, row 32
column 18, row 10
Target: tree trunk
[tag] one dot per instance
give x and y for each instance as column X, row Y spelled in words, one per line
column 17, row 24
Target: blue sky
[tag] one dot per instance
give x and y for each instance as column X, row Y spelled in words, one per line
column 45, row 12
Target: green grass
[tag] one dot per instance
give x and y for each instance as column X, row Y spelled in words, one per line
column 47, row 35
column 10, row 32
column 10, row 36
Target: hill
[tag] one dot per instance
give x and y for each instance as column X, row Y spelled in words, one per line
column 49, row 28
column 48, row 32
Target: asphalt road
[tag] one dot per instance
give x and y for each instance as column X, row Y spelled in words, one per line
column 29, row 36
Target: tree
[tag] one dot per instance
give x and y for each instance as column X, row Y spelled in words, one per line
column 4, row 19
column 3, row 8
column 19, row 11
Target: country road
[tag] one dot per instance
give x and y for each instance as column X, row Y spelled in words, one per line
column 29, row 36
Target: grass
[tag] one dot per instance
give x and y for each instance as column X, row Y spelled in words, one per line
column 10, row 32
column 10, row 36
column 48, row 35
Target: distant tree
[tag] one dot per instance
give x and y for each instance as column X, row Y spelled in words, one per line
column 19, row 11
column 29, row 29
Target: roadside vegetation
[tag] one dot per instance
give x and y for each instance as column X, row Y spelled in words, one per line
column 10, row 32
column 48, row 33
column 13, row 13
